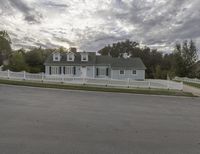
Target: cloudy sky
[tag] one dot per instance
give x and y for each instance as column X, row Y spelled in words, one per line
column 92, row 24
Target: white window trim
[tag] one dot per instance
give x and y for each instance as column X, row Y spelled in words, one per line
column 84, row 57
column 56, row 57
column 68, row 70
column 120, row 72
column 70, row 56
column 135, row 72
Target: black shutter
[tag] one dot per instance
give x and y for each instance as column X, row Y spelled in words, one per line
column 63, row 70
column 74, row 70
column 60, row 70
column 97, row 71
column 50, row 70
column 107, row 71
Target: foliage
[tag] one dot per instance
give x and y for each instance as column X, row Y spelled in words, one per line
column 185, row 57
column 151, row 58
column 5, row 47
column 158, row 65
column 31, row 61
column 179, row 63
column 17, row 62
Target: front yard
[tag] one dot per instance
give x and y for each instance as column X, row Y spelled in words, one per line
column 98, row 88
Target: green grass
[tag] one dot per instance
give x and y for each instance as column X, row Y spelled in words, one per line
column 97, row 88
column 196, row 85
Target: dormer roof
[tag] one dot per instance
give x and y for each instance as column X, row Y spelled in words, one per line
column 97, row 60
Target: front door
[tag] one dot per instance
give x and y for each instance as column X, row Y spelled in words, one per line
column 83, row 72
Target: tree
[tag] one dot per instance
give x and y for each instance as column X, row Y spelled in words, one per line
column 185, row 56
column 151, row 58
column 17, row 62
column 5, row 47
column 117, row 49
column 35, row 59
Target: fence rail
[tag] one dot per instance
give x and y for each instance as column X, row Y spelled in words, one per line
column 185, row 79
column 159, row 84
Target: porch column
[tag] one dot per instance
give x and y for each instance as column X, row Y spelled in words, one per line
column 94, row 72
column 63, row 70
column 47, row 70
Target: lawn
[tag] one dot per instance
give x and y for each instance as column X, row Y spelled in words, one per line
column 97, row 88
column 196, row 85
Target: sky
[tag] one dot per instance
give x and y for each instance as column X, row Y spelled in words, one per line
column 91, row 24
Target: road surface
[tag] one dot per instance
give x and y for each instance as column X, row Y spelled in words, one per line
column 49, row 121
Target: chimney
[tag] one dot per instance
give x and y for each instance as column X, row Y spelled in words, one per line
column 73, row 49
column 125, row 55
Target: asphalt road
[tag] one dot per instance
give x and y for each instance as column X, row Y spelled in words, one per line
column 46, row 121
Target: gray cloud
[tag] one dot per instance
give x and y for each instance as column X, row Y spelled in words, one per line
column 30, row 14
column 92, row 24
column 55, row 4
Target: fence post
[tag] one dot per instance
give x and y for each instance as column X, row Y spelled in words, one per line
column 42, row 77
column 62, row 79
column 128, row 82
column 108, row 82
column 24, row 78
column 83, row 80
column 8, row 72
column 182, row 86
column 168, row 84
column 149, row 84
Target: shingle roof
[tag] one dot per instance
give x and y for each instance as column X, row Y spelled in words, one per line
column 115, row 63
column 77, row 60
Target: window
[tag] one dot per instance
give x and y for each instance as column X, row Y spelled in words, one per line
column 84, row 57
column 70, row 57
column 134, row 72
column 69, row 70
column 54, row 70
column 56, row 57
column 102, row 71
column 50, row 70
column 60, row 70
column 121, row 72
column 107, row 71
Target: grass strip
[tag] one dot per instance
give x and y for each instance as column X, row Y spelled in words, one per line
column 196, row 85
column 97, row 88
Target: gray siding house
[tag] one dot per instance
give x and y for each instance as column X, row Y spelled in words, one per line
column 90, row 65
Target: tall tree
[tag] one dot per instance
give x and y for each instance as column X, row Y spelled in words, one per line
column 151, row 58
column 185, row 56
column 17, row 62
column 35, row 59
column 5, row 46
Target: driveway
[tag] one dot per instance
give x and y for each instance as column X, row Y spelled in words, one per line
column 48, row 121
column 191, row 89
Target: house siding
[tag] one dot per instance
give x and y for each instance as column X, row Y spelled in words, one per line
column 78, row 71
column 47, row 70
column 90, row 71
column 105, row 69
column 96, row 67
column 140, row 74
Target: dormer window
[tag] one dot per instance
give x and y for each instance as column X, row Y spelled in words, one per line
column 70, row 57
column 56, row 57
column 84, row 56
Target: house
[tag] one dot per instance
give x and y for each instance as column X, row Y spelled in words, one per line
column 90, row 65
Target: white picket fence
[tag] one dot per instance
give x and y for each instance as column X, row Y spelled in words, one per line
column 158, row 84
column 187, row 80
